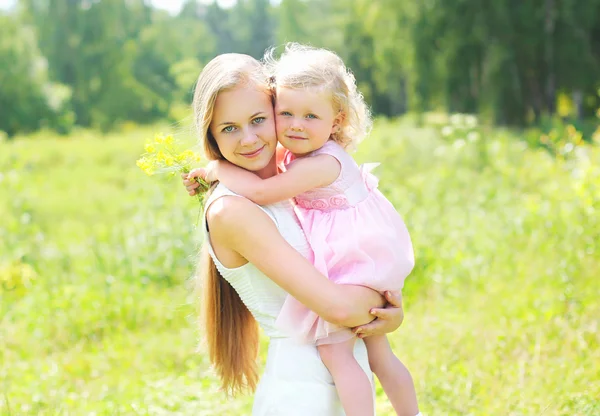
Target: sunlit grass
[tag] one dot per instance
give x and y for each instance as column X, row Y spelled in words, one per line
column 502, row 310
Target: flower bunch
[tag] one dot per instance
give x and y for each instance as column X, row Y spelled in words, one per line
column 163, row 155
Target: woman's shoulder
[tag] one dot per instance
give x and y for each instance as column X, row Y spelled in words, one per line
column 226, row 208
column 219, row 191
column 223, row 206
column 224, row 201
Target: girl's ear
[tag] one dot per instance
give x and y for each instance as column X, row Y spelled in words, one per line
column 338, row 122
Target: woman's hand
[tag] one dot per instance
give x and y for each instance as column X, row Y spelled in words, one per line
column 387, row 319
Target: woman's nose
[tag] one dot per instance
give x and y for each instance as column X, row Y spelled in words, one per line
column 249, row 137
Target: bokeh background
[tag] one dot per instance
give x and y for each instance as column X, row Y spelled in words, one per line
column 487, row 127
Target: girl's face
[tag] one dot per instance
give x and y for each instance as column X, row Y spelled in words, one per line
column 244, row 127
column 305, row 119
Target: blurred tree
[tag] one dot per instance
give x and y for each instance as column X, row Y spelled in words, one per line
column 291, row 18
column 117, row 56
column 260, row 27
column 504, row 59
column 220, row 24
column 28, row 101
column 86, row 44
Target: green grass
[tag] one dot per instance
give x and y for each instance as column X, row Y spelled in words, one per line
column 502, row 310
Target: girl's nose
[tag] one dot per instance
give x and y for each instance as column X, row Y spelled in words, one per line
column 296, row 126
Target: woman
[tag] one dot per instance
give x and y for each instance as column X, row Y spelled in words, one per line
column 254, row 256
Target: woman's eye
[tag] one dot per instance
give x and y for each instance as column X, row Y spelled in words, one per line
column 259, row 120
column 228, row 129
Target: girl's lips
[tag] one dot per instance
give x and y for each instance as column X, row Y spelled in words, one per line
column 254, row 153
column 297, row 138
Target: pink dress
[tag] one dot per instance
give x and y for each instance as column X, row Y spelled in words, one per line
column 357, row 237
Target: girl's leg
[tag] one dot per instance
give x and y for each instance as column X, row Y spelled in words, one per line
column 353, row 385
column 393, row 376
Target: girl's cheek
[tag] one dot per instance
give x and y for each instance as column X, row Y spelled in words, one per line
column 280, row 124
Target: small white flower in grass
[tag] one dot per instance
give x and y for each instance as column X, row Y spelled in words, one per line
column 459, row 143
column 473, row 136
column 447, row 131
column 439, row 151
column 456, row 119
column 470, row 121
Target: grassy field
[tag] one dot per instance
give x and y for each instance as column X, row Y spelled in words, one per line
column 502, row 310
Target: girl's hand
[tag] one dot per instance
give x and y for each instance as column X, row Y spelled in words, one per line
column 387, row 320
column 208, row 174
column 191, row 185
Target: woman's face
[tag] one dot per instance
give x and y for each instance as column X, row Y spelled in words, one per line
column 244, row 127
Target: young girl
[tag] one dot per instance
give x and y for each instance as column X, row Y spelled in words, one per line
column 356, row 235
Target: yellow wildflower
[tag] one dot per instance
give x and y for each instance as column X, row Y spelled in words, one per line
column 162, row 156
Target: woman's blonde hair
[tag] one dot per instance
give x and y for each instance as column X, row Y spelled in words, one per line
column 230, row 329
column 302, row 66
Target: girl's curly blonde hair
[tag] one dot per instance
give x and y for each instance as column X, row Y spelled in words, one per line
column 302, row 66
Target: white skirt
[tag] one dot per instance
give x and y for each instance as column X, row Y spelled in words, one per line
column 297, row 383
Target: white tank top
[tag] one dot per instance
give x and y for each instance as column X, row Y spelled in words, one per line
column 260, row 294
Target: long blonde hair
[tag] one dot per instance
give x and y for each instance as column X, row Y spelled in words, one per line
column 230, row 329
column 301, row 66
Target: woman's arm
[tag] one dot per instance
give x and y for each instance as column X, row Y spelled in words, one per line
column 302, row 175
column 241, row 226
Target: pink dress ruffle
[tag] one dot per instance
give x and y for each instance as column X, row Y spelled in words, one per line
column 357, row 237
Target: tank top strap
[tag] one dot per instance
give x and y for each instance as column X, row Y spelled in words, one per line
column 221, row 191
column 349, row 169
column 333, row 149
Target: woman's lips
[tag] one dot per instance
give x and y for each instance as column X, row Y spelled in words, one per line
column 253, row 154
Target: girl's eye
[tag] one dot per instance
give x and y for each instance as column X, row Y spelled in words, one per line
column 311, row 116
column 285, row 113
column 228, row 129
column 259, row 120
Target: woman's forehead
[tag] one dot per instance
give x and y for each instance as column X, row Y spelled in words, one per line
column 241, row 103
